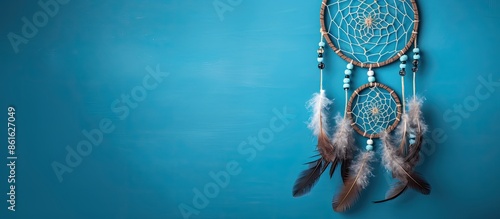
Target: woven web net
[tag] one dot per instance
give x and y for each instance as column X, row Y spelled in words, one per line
column 369, row 31
column 374, row 110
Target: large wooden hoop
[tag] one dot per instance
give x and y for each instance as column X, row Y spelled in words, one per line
column 372, row 65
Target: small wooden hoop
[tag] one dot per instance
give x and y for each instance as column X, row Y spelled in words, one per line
column 372, row 65
column 369, row 86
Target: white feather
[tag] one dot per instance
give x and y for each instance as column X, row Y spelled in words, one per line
column 319, row 105
column 402, row 129
column 416, row 118
column 363, row 167
column 343, row 137
column 391, row 161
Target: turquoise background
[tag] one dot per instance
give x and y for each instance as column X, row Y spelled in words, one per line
column 228, row 75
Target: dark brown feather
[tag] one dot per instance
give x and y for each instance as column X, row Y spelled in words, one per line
column 327, row 151
column 308, row 178
column 418, row 183
column 325, row 147
column 414, row 153
column 344, row 169
column 333, row 166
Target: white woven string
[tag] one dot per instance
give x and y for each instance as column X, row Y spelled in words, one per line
column 370, row 31
column 374, row 110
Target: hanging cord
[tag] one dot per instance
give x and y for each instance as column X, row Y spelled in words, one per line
column 347, row 81
column 416, row 58
column 403, row 58
column 414, row 73
column 321, row 80
column 321, row 65
column 414, row 96
column 403, row 92
column 345, row 109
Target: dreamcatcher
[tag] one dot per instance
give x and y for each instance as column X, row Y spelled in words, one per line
column 368, row 34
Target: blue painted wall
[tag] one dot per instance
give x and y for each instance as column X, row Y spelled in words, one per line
column 174, row 94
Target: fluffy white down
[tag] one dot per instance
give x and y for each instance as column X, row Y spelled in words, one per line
column 415, row 116
column 319, row 105
column 390, row 160
column 401, row 131
column 343, row 137
column 363, row 168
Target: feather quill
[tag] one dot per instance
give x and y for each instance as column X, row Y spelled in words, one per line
column 343, row 143
column 357, row 181
column 319, row 105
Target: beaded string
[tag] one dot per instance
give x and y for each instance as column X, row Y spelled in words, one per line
column 347, row 85
column 347, row 81
column 414, row 69
column 416, row 57
column 371, row 75
column 371, row 79
column 321, row 64
column 369, row 144
column 402, row 73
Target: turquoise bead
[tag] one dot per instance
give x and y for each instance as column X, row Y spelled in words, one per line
column 322, row 44
column 320, row 59
column 416, row 56
column 403, row 58
column 347, row 86
column 412, row 141
column 369, row 147
column 347, row 80
column 412, row 135
column 347, row 72
column 349, row 66
column 402, row 65
column 416, row 50
column 371, row 79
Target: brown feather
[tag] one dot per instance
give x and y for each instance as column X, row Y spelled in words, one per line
column 344, row 169
column 325, row 147
column 412, row 179
column 333, row 166
column 413, row 155
column 418, row 127
column 418, row 183
column 348, row 195
column 356, row 182
column 308, row 178
column 327, row 151
column 403, row 170
column 402, row 145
